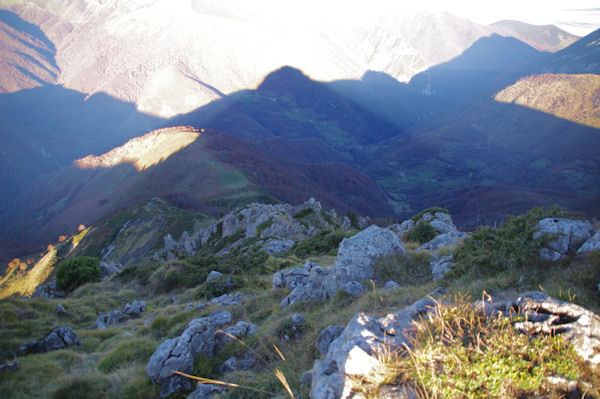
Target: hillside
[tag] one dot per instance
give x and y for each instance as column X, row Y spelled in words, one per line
column 575, row 97
column 543, row 38
column 266, row 299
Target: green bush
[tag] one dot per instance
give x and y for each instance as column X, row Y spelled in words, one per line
column 511, row 246
column 72, row 273
column 423, row 232
column 324, row 242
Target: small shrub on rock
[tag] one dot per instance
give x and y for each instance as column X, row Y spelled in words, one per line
column 423, row 232
column 74, row 272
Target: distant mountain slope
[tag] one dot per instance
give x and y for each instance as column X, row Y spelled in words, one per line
column 583, row 56
column 542, row 37
column 171, row 59
column 26, row 55
column 575, row 97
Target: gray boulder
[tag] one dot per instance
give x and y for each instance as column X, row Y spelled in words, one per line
column 357, row 254
column 441, row 267
column 273, row 246
column 60, row 310
column 12, row 366
column 206, row 391
column 107, row 269
column 569, row 236
column 180, row 353
column 326, row 337
column 391, row 285
column 354, row 353
column 402, row 228
column 440, row 221
column 135, row 308
column 246, row 362
column 230, row 299
column 241, row 329
column 108, row 319
column 590, row 245
column 443, row 240
column 58, row 338
column 292, row 278
column 309, row 291
column 213, row 275
column 547, row 315
column 48, row 290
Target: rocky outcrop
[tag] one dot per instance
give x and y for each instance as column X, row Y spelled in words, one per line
column 109, row 319
column 107, row 269
column 567, row 236
column 441, row 267
column 357, row 255
column 277, row 227
column 230, row 299
column 135, row 308
column 354, row 353
column 48, row 290
column 593, row 244
column 199, row 337
column 58, row 338
column 546, row 315
column 326, row 337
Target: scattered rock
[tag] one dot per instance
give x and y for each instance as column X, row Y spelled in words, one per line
column 326, row 337
column 440, row 221
column 48, row 290
column 292, row 278
column 391, row 285
column 441, row 267
column 135, row 308
column 246, row 362
column 353, row 354
column 58, row 338
column 190, row 306
column 273, row 246
column 200, row 306
column 298, row 320
column 230, row 299
column 353, row 288
column 12, row 366
column 590, row 245
column 60, row 310
column 108, row 319
column 547, row 315
column 213, row 275
column 206, row 391
column 402, row 228
column 357, row 254
column 107, row 269
column 309, row 291
column 241, row 329
column 180, row 353
column 569, row 236
column 443, row 240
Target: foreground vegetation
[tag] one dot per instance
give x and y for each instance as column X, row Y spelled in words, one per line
column 481, row 357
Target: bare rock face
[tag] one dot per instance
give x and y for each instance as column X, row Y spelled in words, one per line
column 441, row 267
column 590, row 245
column 569, row 236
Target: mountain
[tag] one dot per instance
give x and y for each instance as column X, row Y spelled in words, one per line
column 575, row 97
column 171, row 60
column 26, row 55
column 583, row 56
column 541, row 37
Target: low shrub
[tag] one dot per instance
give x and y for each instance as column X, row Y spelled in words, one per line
column 511, row 246
column 408, row 269
column 74, row 272
column 138, row 350
column 434, row 210
column 322, row 243
column 423, row 232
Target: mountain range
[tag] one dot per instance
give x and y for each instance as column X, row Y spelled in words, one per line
column 380, row 115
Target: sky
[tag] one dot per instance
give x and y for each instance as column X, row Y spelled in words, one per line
column 579, row 17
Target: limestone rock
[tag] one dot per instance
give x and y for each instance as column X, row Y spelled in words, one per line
column 273, row 246
column 108, row 319
column 391, row 285
column 310, row 291
column 291, row 277
column 213, row 275
column 180, row 353
column 12, row 366
column 591, row 244
column 206, row 391
column 402, row 228
column 60, row 310
column 246, row 362
column 441, row 267
column 107, row 269
column 569, row 236
column 326, row 337
column 135, row 308
column 240, row 330
column 440, row 221
column 353, row 353
column 230, row 299
column 547, row 315
column 58, row 338
column 357, row 254
column 443, row 240
column 48, row 290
